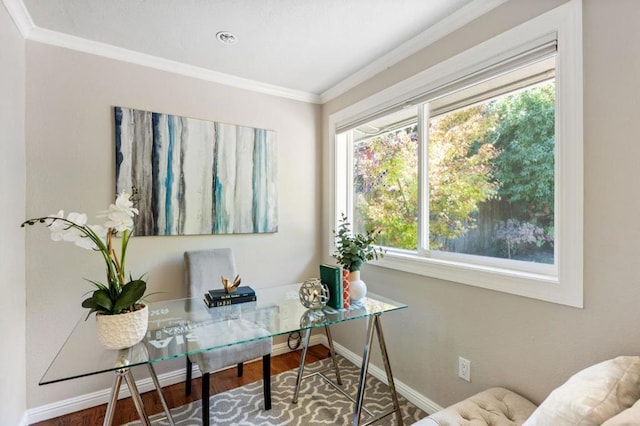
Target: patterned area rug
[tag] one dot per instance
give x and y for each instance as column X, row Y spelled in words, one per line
column 318, row 402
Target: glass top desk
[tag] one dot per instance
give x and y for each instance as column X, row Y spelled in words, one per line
column 174, row 327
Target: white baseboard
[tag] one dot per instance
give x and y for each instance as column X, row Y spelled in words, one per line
column 412, row 395
column 81, row 402
column 70, row 405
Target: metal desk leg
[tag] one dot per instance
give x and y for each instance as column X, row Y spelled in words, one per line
column 111, row 405
column 156, row 383
column 363, row 371
column 387, row 367
column 305, row 346
column 333, row 355
column 375, row 323
column 135, row 396
column 137, row 399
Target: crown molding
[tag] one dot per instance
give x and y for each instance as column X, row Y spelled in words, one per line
column 118, row 53
column 29, row 31
column 461, row 17
column 20, row 16
column 434, row 33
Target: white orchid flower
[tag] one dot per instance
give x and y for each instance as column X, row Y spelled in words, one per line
column 100, row 231
column 57, row 227
column 71, row 234
column 87, row 243
column 79, row 219
column 121, row 213
column 50, row 222
column 120, row 221
column 124, row 204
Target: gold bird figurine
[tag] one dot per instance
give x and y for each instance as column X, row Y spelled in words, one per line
column 230, row 288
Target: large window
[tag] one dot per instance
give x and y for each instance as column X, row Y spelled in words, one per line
column 476, row 177
column 489, row 159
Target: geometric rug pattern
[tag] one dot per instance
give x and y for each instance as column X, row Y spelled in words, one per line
column 318, row 402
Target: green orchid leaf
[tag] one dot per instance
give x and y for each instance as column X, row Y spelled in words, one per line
column 131, row 293
column 89, row 303
column 99, row 285
column 102, row 299
column 92, row 310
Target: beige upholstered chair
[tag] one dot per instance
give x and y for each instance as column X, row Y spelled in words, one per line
column 607, row 394
column 202, row 269
column 494, row 406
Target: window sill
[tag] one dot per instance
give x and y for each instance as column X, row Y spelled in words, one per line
column 527, row 284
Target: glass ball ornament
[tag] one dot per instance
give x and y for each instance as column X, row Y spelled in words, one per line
column 313, row 294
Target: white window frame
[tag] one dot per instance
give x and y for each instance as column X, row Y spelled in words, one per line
column 564, row 284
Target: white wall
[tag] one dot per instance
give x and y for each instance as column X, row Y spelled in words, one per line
column 70, row 166
column 12, row 254
column 527, row 345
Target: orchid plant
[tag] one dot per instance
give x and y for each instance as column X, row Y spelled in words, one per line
column 117, row 295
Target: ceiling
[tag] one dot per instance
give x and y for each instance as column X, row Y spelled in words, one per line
column 309, row 47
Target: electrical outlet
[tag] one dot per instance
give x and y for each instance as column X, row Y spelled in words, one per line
column 464, row 369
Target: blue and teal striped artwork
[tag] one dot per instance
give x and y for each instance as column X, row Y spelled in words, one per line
column 195, row 176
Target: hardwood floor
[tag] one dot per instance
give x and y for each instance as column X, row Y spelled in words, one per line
column 174, row 394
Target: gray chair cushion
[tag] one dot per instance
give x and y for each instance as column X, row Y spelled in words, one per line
column 223, row 333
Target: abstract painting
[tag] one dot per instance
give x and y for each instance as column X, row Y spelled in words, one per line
column 196, row 176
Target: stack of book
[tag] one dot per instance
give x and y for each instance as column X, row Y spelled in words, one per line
column 218, row 297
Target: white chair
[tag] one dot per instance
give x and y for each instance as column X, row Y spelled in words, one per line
column 203, row 269
column 607, row 394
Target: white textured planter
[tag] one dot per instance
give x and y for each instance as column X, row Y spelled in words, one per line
column 357, row 288
column 122, row 330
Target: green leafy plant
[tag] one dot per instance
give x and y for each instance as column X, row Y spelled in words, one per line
column 353, row 251
column 119, row 294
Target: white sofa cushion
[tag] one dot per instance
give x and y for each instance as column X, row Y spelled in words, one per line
column 593, row 395
column 494, row 406
column 629, row 417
